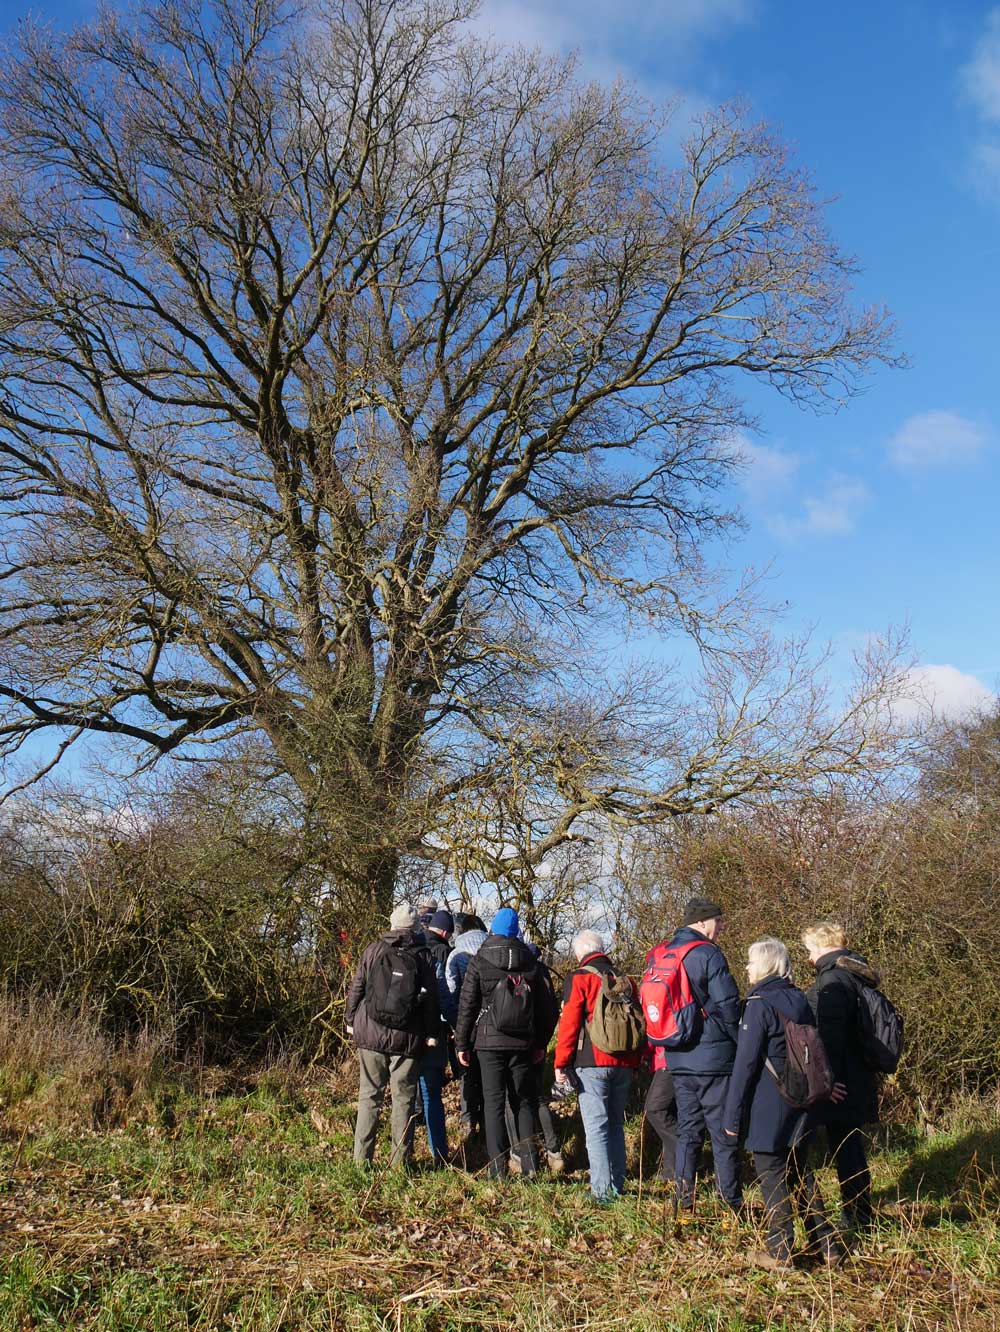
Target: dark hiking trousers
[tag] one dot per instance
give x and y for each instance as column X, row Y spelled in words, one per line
column 544, row 1124
column 661, row 1114
column 701, row 1101
column 787, row 1186
column 849, row 1148
column 471, row 1101
column 509, row 1073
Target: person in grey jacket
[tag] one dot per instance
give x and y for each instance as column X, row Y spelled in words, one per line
column 390, row 1051
column 468, row 941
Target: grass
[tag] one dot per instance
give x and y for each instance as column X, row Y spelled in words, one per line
column 245, row 1212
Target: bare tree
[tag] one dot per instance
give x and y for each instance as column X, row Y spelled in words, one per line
column 358, row 378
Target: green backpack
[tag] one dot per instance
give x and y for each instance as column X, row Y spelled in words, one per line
column 617, row 1026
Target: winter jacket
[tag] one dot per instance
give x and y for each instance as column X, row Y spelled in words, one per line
column 466, row 947
column 840, row 975
column 573, row 1043
column 426, row 1021
column 500, row 956
column 773, row 1122
column 708, row 971
column 440, row 951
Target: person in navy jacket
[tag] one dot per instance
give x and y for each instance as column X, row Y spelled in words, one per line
column 700, row 1071
column 777, row 1133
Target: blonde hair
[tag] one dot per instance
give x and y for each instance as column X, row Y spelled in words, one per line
column 824, row 936
column 768, row 957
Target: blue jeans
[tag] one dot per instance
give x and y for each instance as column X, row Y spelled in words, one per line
column 602, row 1107
column 431, row 1084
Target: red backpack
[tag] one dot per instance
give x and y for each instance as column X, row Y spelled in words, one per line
column 673, row 1014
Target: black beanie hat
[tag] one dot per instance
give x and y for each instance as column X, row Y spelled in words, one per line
column 700, row 908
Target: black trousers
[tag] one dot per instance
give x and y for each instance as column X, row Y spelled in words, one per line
column 544, row 1126
column 509, row 1073
column 788, row 1185
column 661, row 1112
column 849, row 1147
column 471, row 1100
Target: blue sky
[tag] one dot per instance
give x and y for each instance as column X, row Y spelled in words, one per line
column 885, row 513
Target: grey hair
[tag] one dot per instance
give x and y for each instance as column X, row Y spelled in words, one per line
column 768, row 957
column 586, row 942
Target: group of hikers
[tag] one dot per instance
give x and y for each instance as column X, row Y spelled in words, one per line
column 766, row 1072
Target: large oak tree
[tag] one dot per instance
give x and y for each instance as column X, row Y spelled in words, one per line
column 359, row 381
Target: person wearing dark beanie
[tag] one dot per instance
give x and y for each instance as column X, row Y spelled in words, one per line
column 701, row 908
column 699, row 1069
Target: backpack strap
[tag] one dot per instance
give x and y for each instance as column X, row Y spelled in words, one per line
column 768, row 1064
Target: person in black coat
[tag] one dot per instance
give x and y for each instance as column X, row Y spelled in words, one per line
column 777, row 1133
column 391, row 1056
column 840, row 973
column 700, row 1071
column 506, row 1059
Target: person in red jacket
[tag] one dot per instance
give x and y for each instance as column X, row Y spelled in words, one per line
column 604, row 1079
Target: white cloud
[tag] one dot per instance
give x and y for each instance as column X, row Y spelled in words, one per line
column 981, row 76
column 766, row 473
column 615, row 39
column 937, row 439
column 942, row 693
column 980, row 80
column 833, row 512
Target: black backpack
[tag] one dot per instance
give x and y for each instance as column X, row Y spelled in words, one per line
column 512, row 1008
column 880, row 1027
column 393, row 990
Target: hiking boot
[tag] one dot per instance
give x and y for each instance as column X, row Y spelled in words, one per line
column 555, row 1161
column 832, row 1254
column 770, row 1262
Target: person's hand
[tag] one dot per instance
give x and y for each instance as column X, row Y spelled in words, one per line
column 463, row 1058
column 839, row 1093
column 562, row 1077
column 538, row 1056
column 731, row 1134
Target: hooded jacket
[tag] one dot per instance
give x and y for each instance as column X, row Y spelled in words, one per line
column 713, row 986
column 467, row 945
column 573, row 1044
column 426, row 1021
column 772, row 1122
column 840, row 974
column 497, row 957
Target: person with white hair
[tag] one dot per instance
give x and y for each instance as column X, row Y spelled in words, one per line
column 778, row 1132
column 601, row 1040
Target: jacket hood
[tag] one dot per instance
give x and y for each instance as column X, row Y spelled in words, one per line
column 506, row 954
column 844, row 960
column 406, row 938
column 859, row 967
column 470, row 942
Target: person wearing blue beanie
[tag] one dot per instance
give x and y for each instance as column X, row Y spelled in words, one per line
column 506, row 924
column 507, row 1012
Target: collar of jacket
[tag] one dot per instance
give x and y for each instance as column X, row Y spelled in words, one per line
column 770, row 983
column 684, row 934
column 829, row 960
column 593, row 958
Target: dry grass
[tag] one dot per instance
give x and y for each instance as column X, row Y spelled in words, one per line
column 248, row 1214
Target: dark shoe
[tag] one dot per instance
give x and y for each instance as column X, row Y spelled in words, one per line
column 770, row 1262
column 832, row 1254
